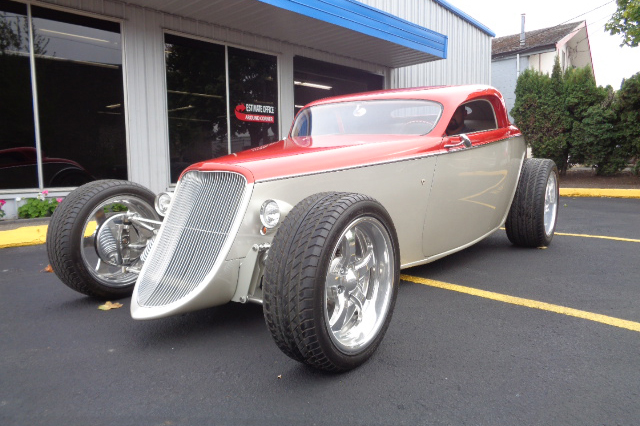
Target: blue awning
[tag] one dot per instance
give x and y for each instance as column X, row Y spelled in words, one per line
column 338, row 27
column 397, row 42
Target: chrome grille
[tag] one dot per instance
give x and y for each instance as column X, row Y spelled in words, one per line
column 193, row 234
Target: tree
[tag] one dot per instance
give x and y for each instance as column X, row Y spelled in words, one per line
column 541, row 114
column 569, row 119
column 581, row 93
column 627, row 107
column 597, row 140
column 626, row 21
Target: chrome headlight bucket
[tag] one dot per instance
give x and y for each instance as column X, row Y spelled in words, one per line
column 270, row 214
column 163, row 202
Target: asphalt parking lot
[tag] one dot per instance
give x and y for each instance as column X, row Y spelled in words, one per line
column 499, row 336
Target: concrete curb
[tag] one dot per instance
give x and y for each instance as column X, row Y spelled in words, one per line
column 33, row 235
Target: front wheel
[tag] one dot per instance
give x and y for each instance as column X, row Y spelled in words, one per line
column 534, row 211
column 92, row 243
column 331, row 280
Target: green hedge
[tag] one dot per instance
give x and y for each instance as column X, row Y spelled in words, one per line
column 568, row 118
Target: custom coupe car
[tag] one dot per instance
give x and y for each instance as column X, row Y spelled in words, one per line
column 315, row 227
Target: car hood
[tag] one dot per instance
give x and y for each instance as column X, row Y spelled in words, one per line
column 309, row 155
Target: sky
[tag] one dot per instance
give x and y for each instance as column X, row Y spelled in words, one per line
column 611, row 63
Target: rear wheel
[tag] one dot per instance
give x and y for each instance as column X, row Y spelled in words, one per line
column 532, row 218
column 91, row 243
column 331, row 280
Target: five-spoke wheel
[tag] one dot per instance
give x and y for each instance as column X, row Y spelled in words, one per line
column 92, row 243
column 331, row 280
column 358, row 285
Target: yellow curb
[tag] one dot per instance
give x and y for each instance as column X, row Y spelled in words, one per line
column 594, row 192
column 26, row 236
column 33, row 235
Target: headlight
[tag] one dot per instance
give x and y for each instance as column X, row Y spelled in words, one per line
column 269, row 214
column 162, row 203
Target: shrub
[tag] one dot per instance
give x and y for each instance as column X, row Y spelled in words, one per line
column 38, row 207
column 571, row 120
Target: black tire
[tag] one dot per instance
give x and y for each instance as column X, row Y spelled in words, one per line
column 66, row 236
column 294, row 287
column 536, row 196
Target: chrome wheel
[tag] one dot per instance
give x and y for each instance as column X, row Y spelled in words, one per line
column 550, row 204
column 110, row 244
column 359, row 285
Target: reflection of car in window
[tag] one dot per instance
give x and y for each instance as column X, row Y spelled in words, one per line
column 19, row 169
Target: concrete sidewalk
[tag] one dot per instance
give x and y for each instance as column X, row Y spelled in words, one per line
column 28, row 232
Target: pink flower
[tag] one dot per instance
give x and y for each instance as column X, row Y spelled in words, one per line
column 59, row 200
column 2, row 203
column 45, row 192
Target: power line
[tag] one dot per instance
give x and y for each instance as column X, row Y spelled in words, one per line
column 549, row 29
column 582, row 14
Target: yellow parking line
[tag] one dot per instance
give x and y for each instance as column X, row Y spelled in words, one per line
column 604, row 237
column 631, row 240
column 616, row 322
column 597, row 192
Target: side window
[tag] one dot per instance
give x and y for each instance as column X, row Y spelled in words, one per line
column 480, row 116
column 301, row 126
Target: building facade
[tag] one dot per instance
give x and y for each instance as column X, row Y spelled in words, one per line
column 537, row 50
column 138, row 90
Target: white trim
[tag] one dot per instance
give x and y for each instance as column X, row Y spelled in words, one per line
column 125, row 100
column 34, row 100
column 227, row 96
column 102, row 16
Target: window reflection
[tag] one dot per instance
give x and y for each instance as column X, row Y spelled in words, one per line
column 253, row 95
column 315, row 80
column 196, row 99
column 80, row 98
column 18, row 165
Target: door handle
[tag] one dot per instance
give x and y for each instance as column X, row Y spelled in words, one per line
column 466, row 142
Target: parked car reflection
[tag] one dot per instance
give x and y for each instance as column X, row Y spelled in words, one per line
column 19, row 169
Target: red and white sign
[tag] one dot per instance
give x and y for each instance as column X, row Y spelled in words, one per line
column 255, row 113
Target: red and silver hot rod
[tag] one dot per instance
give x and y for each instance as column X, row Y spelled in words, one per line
column 315, row 227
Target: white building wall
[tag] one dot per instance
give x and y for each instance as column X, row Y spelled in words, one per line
column 468, row 54
column 505, row 76
column 546, row 61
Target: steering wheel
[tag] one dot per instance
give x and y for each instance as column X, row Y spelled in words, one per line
column 420, row 127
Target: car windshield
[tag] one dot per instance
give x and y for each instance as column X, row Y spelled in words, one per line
column 384, row 117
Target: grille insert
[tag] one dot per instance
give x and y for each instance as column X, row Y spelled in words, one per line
column 193, row 234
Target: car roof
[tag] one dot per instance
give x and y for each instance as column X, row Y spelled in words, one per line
column 449, row 96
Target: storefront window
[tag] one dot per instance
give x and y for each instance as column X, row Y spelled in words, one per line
column 18, row 159
column 196, row 99
column 315, row 80
column 78, row 69
column 80, row 98
column 198, row 111
column 253, row 94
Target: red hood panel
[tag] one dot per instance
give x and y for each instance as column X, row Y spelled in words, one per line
column 305, row 155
